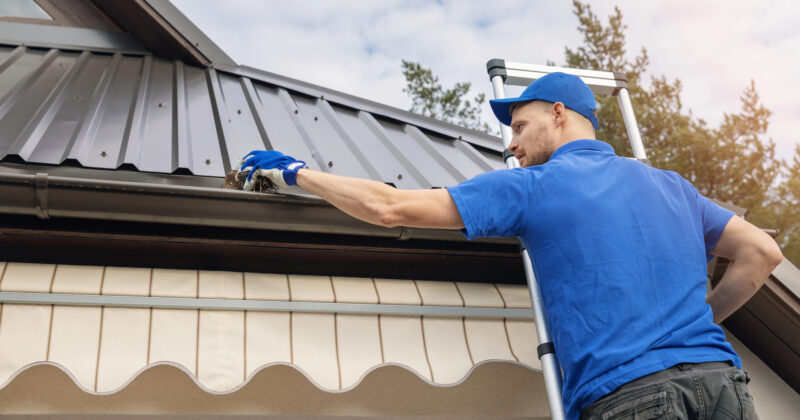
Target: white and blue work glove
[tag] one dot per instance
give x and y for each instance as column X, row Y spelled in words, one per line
column 278, row 168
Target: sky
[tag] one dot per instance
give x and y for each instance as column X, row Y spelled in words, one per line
column 356, row 46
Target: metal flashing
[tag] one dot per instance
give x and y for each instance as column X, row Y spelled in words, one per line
column 76, row 299
column 69, row 38
column 190, row 32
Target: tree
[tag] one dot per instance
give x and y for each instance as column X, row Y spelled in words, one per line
column 732, row 162
column 786, row 214
column 430, row 99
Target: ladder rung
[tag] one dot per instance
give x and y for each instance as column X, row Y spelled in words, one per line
column 521, row 74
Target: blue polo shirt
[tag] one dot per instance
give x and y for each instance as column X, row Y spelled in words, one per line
column 620, row 250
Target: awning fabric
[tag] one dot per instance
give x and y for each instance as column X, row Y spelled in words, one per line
column 105, row 349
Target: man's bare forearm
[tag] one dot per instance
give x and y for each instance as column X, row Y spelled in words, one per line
column 741, row 281
column 361, row 198
column 377, row 203
column 753, row 255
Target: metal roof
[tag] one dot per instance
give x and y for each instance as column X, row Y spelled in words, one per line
column 138, row 112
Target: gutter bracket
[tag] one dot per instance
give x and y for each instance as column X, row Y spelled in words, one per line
column 405, row 234
column 41, row 196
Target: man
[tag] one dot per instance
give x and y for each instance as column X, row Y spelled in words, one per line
column 619, row 248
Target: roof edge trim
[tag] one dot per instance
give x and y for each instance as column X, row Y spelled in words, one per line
column 190, row 32
column 69, row 38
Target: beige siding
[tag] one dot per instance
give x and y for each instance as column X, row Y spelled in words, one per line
column 126, row 331
column 358, row 337
column 268, row 334
column 24, row 329
column 220, row 341
column 173, row 332
column 445, row 340
column 75, row 332
column 105, row 347
column 314, row 335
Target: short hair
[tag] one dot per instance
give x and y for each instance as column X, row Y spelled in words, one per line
column 514, row 106
column 543, row 104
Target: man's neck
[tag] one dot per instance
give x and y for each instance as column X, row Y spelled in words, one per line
column 574, row 135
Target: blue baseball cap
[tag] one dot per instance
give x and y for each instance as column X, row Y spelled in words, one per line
column 555, row 87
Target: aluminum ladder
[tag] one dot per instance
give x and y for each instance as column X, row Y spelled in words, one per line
column 503, row 73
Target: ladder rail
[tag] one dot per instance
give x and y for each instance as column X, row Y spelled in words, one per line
column 631, row 126
column 600, row 82
column 550, row 368
column 520, row 74
column 502, row 72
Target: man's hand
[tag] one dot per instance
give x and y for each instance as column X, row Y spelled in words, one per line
column 280, row 169
column 753, row 255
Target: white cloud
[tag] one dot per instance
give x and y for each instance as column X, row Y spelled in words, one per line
column 714, row 47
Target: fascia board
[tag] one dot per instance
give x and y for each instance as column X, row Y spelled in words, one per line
column 190, row 32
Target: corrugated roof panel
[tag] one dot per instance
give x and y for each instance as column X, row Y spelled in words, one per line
column 382, row 135
column 56, row 125
column 368, row 145
column 98, row 143
column 236, row 112
column 459, row 157
column 494, row 159
column 39, row 115
column 334, row 152
column 429, row 166
column 481, row 160
column 181, row 145
column 443, row 150
column 106, row 110
column 18, row 65
column 156, row 136
column 203, row 145
column 28, row 94
column 279, row 122
column 5, row 52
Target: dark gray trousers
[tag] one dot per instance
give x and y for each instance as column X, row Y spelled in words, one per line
column 712, row 391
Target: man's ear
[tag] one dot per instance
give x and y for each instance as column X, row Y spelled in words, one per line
column 559, row 113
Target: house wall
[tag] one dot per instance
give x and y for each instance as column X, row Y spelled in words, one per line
column 773, row 398
column 61, row 359
column 80, row 359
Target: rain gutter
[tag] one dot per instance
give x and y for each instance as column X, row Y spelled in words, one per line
column 47, row 196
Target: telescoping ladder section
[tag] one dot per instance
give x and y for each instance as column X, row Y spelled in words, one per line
column 503, row 73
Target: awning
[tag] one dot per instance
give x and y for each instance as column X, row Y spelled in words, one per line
column 354, row 342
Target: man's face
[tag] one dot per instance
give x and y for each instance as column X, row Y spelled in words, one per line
column 533, row 133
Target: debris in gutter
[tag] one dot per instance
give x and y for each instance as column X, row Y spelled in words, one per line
column 234, row 180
